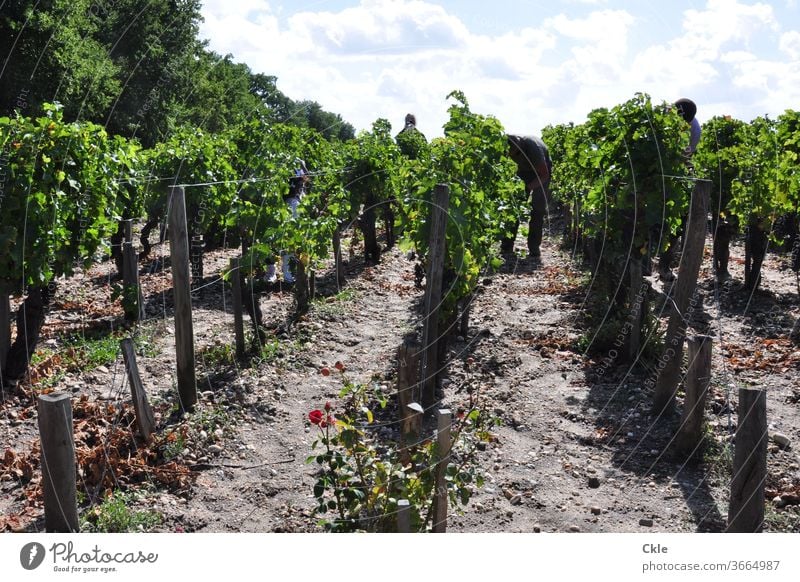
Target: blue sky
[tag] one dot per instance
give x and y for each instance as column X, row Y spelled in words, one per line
column 528, row 63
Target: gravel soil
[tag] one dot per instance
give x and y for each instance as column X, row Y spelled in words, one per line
column 576, row 449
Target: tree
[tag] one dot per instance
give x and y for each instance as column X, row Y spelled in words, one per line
column 49, row 52
column 153, row 45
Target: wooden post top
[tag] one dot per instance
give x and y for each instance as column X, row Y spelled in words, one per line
column 54, row 397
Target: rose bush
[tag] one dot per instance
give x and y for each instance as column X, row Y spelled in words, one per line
column 361, row 476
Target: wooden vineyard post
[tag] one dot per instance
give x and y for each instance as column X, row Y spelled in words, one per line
column 127, row 230
column 407, row 388
column 684, row 288
column 197, row 263
column 636, row 301
column 746, row 508
column 144, row 413
column 5, row 331
column 337, row 255
column 433, row 293
column 59, row 474
column 238, row 308
column 698, row 377
column 181, row 287
column 403, row 516
column 133, row 302
column 443, row 445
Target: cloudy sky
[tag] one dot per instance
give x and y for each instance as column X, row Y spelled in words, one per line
column 529, row 63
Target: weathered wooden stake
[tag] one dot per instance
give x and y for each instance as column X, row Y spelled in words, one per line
column 238, row 309
column 127, row 230
column 196, row 261
column 407, row 394
column 181, row 288
column 688, row 270
column 130, row 281
column 337, row 255
column 403, row 516
column 302, row 291
column 746, row 508
column 433, row 292
column 5, row 330
column 636, row 301
column 59, row 474
column 698, row 377
column 145, row 420
column 443, row 444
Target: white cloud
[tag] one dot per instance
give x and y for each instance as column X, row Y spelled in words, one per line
column 382, row 26
column 789, row 43
column 722, row 22
column 366, row 61
column 384, row 58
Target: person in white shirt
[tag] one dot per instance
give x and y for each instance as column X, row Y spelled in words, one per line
column 297, row 189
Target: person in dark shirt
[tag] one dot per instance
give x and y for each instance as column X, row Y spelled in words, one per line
column 410, row 140
column 534, row 168
column 687, row 110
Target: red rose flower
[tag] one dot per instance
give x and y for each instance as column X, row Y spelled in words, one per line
column 327, row 421
column 315, row 416
column 339, row 366
column 328, row 407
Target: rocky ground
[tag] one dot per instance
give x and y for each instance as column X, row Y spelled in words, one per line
column 576, row 450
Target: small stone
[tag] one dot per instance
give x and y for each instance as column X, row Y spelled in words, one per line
column 596, row 510
column 203, row 435
column 594, row 482
column 219, row 433
column 646, row 522
column 781, row 440
column 508, row 493
column 215, row 449
column 537, row 529
column 516, row 500
column 574, row 529
column 102, row 369
column 777, row 501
